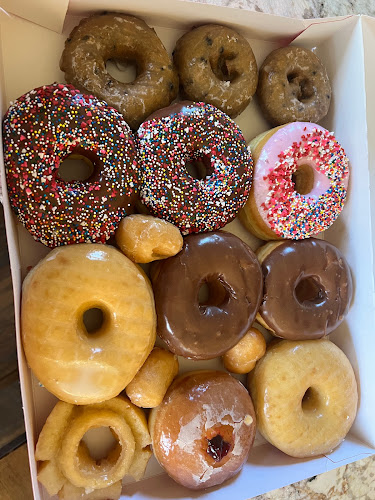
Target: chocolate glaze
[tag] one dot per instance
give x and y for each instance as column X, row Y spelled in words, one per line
column 307, row 289
column 234, row 279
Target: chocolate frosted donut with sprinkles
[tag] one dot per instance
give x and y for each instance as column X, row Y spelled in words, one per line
column 44, row 127
column 193, row 135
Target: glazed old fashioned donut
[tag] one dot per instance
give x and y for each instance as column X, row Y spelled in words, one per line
column 216, row 65
column 305, row 396
column 204, row 429
column 193, row 132
column 315, row 283
column 293, row 86
column 301, row 176
column 40, row 130
column 206, row 327
column 78, row 362
column 123, row 38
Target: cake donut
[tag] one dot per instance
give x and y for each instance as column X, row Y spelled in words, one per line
column 204, row 429
column 293, row 86
column 216, row 65
column 301, row 176
column 123, row 38
column 315, row 283
column 305, row 396
column 40, row 130
column 78, row 361
column 198, row 133
column 206, row 327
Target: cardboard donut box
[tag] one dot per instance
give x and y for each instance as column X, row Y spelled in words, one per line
column 32, row 38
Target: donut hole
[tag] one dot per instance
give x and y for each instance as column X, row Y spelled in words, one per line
column 310, row 400
column 302, row 88
column 199, row 166
column 309, row 291
column 303, row 179
column 212, row 293
column 94, row 320
column 101, row 442
column 76, row 168
column 124, row 71
column 223, row 69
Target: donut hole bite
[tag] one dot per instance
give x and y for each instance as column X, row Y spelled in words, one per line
column 309, row 290
column 122, row 70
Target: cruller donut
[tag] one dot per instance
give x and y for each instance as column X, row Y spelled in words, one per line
column 128, row 39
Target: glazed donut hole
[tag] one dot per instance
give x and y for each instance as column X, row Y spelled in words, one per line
column 244, row 355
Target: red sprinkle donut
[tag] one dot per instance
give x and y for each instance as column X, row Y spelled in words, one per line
column 193, row 132
column 41, row 129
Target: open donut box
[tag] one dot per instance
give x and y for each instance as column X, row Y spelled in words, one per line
column 33, row 33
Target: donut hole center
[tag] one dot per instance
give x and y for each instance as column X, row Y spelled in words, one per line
column 310, row 400
column 309, row 291
column 80, row 165
column 303, row 179
column 302, row 88
column 199, row 166
column 223, row 69
column 94, row 321
column 100, row 442
column 212, row 293
column 124, row 71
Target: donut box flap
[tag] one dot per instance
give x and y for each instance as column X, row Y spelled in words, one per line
column 343, row 44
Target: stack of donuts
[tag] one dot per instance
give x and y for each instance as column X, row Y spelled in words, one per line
column 140, row 253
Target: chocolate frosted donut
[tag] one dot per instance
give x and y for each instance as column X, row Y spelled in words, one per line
column 206, row 328
column 307, row 288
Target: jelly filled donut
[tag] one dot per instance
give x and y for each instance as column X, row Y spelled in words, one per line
column 315, row 283
column 199, row 133
column 293, row 86
column 203, row 430
column 40, row 130
column 206, row 327
column 122, row 38
column 305, row 396
column 301, row 176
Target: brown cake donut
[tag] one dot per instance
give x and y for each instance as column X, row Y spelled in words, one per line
column 203, row 430
column 206, row 328
column 293, row 86
column 124, row 38
column 216, row 65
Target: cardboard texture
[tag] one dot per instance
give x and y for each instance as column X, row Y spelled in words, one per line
column 31, row 52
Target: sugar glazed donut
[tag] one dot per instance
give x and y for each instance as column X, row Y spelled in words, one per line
column 305, row 396
column 301, row 176
column 40, row 130
column 203, row 430
column 206, row 328
column 315, row 283
column 81, row 364
column 193, row 132
column 123, row 38
column 216, row 65
column 293, row 86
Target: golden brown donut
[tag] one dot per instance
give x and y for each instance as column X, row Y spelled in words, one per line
column 123, row 38
column 203, row 430
column 305, row 396
column 216, row 65
column 293, row 86
column 243, row 356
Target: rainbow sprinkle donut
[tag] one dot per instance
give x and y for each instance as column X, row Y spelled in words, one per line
column 193, row 132
column 301, row 176
column 41, row 129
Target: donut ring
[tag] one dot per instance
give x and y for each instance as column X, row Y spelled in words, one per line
column 40, row 130
column 206, row 329
column 315, row 282
column 216, row 65
column 305, row 396
column 77, row 365
column 184, row 132
column 300, row 182
column 124, row 38
column 293, row 86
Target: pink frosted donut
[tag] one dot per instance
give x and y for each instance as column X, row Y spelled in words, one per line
column 300, row 182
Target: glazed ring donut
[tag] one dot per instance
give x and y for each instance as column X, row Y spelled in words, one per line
column 206, row 327
column 204, row 429
column 301, row 176
column 40, row 130
column 305, row 396
column 86, row 364
column 124, row 38
column 293, row 86
column 216, row 65
column 193, row 132
column 315, row 283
